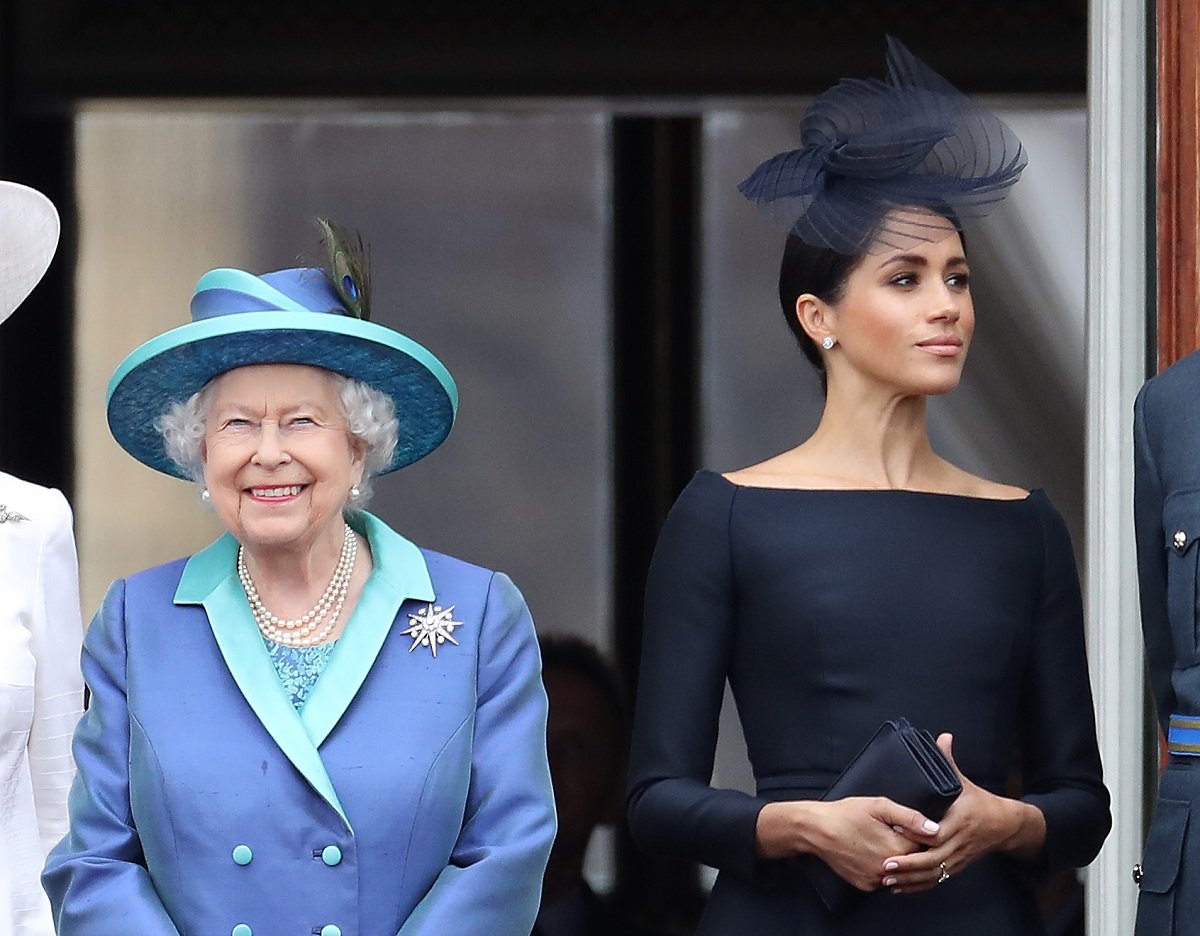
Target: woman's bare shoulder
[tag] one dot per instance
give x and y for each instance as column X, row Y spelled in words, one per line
column 790, row 469
column 970, row 485
column 804, row 469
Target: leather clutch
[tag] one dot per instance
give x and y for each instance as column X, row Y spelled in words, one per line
column 902, row 763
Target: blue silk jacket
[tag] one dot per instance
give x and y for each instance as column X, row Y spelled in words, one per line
column 410, row 796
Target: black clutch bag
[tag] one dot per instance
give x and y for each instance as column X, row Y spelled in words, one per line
column 902, row 763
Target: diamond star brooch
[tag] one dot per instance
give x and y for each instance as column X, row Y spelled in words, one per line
column 431, row 626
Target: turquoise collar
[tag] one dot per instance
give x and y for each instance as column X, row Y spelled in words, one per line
column 397, row 560
column 210, row 579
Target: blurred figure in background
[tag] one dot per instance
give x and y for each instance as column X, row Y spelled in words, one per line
column 587, row 738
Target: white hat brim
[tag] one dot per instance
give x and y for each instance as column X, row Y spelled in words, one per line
column 29, row 230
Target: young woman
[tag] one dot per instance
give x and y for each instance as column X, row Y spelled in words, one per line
column 860, row 577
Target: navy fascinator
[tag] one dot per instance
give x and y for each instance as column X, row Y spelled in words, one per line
column 886, row 164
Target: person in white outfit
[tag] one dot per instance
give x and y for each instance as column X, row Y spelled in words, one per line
column 41, row 689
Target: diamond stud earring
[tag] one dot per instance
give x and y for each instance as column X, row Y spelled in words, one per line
column 828, row 342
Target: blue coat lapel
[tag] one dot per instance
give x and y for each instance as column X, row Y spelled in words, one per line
column 209, row 579
column 399, row 573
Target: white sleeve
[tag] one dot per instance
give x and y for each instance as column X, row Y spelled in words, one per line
column 56, row 636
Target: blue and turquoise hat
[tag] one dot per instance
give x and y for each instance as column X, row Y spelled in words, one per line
column 287, row 317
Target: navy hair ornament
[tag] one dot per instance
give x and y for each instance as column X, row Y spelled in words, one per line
column 887, row 164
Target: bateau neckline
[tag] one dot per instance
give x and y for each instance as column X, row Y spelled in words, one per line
column 944, row 494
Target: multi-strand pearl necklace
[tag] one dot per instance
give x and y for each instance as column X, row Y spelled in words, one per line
column 308, row 629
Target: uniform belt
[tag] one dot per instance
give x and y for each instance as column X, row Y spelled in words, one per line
column 1183, row 735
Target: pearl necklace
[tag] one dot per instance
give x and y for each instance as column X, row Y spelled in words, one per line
column 306, row 630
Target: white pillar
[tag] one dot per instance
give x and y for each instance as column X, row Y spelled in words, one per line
column 1116, row 317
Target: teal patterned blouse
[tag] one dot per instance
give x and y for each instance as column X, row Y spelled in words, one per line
column 299, row 667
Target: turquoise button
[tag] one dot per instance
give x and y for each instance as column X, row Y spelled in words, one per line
column 331, row 855
column 243, row 856
column 330, row 930
column 242, row 929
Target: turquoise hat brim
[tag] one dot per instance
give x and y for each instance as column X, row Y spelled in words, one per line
column 172, row 366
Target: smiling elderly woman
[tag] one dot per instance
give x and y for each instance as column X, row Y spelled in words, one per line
column 367, row 415
column 313, row 725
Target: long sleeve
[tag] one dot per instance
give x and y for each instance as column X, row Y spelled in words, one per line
column 1060, row 759
column 56, row 632
column 493, row 882
column 686, row 648
column 96, row 878
column 41, row 694
column 1152, row 563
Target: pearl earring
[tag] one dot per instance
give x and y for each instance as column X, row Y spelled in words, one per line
column 355, row 492
column 205, row 496
column 828, row 342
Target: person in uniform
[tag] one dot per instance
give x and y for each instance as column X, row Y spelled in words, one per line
column 1166, row 446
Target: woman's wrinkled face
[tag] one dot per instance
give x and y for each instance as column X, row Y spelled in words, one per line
column 906, row 318
column 278, row 460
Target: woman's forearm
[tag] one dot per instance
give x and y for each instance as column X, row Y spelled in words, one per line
column 786, row 829
column 1026, row 823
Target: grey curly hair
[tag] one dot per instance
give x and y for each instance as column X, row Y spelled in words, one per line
column 370, row 420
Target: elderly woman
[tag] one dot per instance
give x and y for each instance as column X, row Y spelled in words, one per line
column 312, row 725
column 41, row 692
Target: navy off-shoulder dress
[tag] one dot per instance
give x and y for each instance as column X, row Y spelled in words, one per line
column 829, row 612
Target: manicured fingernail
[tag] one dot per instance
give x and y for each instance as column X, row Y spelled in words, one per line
column 891, row 866
column 931, row 826
column 888, row 882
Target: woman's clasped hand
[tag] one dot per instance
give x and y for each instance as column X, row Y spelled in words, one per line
column 875, row 843
column 854, row 836
column 976, row 824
